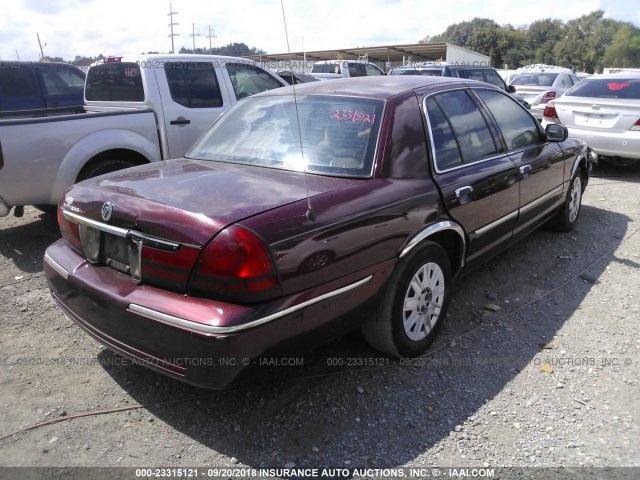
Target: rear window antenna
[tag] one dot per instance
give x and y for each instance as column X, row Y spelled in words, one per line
column 310, row 215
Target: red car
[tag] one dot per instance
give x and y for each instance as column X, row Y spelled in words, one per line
column 351, row 203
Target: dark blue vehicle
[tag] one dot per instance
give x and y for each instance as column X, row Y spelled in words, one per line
column 40, row 86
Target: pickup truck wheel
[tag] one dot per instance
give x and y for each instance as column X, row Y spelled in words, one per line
column 414, row 304
column 106, row 166
column 567, row 217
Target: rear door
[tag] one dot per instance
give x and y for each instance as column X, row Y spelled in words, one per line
column 192, row 100
column 540, row 162
column 478, row 182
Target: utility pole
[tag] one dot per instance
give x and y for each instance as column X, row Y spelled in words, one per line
column 194, row 35
column 18, row 55
column 211, row 35
column 40, row 45
column 171, row 24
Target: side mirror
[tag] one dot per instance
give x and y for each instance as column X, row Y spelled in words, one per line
column 511, row 89
column 556, row 132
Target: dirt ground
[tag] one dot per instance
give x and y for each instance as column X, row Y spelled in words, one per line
column 537, row 365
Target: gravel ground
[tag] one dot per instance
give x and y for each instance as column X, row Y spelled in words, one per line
column 537, row 365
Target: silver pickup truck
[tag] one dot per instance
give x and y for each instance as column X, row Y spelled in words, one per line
column 136, row 111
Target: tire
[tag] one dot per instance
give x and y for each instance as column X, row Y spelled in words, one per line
column 106, row 166
column 567, row 217
column 414, row 304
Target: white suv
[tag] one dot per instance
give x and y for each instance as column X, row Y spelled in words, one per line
column 332, row 69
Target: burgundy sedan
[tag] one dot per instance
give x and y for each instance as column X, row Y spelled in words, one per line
column 298, row 216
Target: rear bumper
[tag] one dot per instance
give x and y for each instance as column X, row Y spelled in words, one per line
column 203, row 342
column 610, row 144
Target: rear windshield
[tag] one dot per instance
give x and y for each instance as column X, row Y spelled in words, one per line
column 619, row 87
column 338, row 135
column 115, row 81
column 535, row 79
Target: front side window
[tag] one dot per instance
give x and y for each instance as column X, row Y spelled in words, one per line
column 495, row 79
column 518, row 128
column 115, row 81
column 335, row 136
column 372, row 70
column 250, row 79
column 357, row 70
column 193, row 84
column 455, row 116
column 60, row 80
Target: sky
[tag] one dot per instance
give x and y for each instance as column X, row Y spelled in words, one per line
column 68, row 28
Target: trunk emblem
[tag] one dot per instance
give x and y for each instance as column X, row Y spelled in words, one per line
column 107, row 210
column 595, row 107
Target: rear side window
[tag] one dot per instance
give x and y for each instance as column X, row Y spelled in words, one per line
column 457, row 115
column 330, row 67
column 115, row 81
column 249, row 79
column 17, row 82
column 518, row 128
column 626, row 88
column 193, row 84
column 447, row 153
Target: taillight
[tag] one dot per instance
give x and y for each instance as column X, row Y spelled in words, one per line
column 550, row 111
column 237, row 265
column 636, row 126
column 168, row 269
column 70, row 232
column 548, row 96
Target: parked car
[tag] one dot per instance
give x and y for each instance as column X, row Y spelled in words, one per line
column 482, row 73
column 295, row 77
column 300, row 216
column 138, row 110
column 335, row 69
column 604, row 111
column 29, row 88
column 538, row 86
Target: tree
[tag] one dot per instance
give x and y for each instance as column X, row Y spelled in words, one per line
column 587, row 43
column 233, row 49
column 624, row 49
column 541, row 38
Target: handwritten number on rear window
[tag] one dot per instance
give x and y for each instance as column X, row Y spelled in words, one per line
column 353, row 116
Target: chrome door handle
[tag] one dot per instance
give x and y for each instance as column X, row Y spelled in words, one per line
column 525, row 171
column 463, row 191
